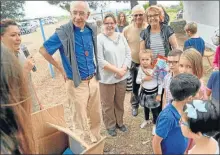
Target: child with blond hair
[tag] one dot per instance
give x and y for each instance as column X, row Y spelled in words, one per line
column 191, row 62
column 194, row 41
column 150, row 87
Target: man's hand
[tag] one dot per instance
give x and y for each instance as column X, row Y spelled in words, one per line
column 63, row 73
column 29, row 64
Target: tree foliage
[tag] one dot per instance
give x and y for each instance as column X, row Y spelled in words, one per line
column 132, row 2
column 66, row 4
column 12, row 9
column 147, row 5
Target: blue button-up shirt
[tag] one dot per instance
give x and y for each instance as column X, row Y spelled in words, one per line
column 83, row 43
column 84, row 52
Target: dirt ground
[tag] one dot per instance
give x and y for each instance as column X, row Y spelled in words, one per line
column 51, row 91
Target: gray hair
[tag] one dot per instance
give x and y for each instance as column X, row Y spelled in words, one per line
column 74, row 3
column 138, row 7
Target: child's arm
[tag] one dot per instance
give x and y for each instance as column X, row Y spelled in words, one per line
column 216, row 58
column 164, row 99
column 156, row 143
column 139, row 77
column 209, row 85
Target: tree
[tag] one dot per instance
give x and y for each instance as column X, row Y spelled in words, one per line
column 132, row 2
column 12, row 9
column 147, row 5
column 66, row 4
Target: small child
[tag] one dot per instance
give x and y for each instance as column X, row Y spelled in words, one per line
column 150, row 88
column 169, row 138
column 213, row 88
column 199, row 121
column 191, row 62
column 194, row 41
column 173, row 63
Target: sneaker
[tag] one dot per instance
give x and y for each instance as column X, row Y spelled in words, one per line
column 154, row 130
column 145, row 123
column 123, row 128
column 112, row 132
column 134, row 111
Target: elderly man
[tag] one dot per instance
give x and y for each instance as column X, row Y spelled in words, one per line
column 132, row 34
column 76, row 42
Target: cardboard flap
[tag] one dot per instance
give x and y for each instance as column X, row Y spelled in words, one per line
column 69, row 133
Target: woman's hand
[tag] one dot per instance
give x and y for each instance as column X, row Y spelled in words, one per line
column 29, row 64
column 120, row 73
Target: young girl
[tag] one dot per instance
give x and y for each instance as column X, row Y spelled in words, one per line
column 191, row 62
column 150, row 88
column 199, row 121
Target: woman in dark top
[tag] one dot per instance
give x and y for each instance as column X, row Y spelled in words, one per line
column 121, row 21
column 158, row 36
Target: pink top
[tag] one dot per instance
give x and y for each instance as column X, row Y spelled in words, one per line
column 202, row 91
column 217, row 57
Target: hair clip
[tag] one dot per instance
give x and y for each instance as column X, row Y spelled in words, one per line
column 196, row 105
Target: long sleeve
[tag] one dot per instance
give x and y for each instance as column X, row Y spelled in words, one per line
column 139, row 76
column 127, row 61
column 100, row 56
column 217, row 57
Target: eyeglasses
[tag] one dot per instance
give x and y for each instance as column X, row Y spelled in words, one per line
column 172, row 62
column 81, row 13
column 183, row 123
column 109, row 23
column 150, row 16
column 136, row 15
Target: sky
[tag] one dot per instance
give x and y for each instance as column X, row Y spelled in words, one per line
column 35, row 9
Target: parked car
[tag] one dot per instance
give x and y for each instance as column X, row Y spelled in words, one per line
column 179, row 14
column 28, row 27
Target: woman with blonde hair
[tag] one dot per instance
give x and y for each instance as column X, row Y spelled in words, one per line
column 15, row 122
column 121, row 21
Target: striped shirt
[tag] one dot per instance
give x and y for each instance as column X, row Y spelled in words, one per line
column 157, row 44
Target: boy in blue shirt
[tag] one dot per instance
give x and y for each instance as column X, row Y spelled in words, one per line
column 168, row 138
column 195, row 41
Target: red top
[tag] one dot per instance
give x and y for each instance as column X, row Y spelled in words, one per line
column 217, row 57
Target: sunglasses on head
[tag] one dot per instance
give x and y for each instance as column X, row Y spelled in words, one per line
column 136, row 15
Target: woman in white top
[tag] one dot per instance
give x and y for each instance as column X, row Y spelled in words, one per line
column 114, row 60
column 199, row 121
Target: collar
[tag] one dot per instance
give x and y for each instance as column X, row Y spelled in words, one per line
column 174, row 111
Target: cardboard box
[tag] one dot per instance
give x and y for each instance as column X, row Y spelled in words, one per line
column 52, row 136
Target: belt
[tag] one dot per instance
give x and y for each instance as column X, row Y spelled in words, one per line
column 89, row 77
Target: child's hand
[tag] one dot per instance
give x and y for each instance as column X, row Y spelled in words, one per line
column 158, row 98
column 148, row 78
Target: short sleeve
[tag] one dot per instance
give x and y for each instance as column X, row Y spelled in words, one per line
column 163, row 126
column 52, row 44
column 170, row 31
column 142, row 35
column 210, row 81
column 186, row 44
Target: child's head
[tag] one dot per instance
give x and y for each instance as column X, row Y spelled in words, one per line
column 199, row 118
column 191, row 62
column 173, row 60
column 190, row 28
column 184, row 87
column 146, row 57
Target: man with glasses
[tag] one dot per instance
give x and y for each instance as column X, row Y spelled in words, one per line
column 76, row 42
column 173, row 63
column 132, row 34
